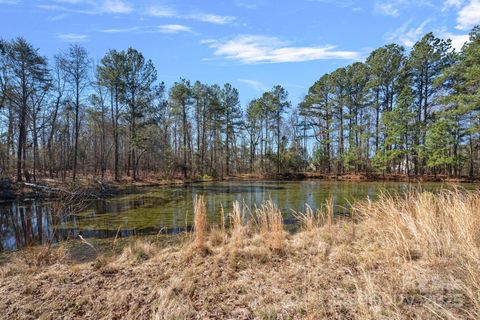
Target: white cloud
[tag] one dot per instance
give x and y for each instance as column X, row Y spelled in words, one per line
column 407, row 36
column 393, row 8
column 469, row 15
column 252, row 49
column 451, row 4
column 247, row 5
column 211, row 18
column 254, row 84
column 387, row 8
column 122, row 30
column 339, row 3
column 174, row 28
column 70, row 1
column 458, row 40
column 72, row 37
column 166, row 12
column 167, row 28
column 116, row 6
column 160, row 11
column 54, row 7
column 89, row 7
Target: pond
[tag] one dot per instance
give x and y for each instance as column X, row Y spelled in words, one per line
column 169, row 209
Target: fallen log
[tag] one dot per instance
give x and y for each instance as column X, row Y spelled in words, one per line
column 46, row 188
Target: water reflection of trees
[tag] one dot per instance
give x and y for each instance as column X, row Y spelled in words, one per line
column 30, row 223
column 170, row 210
column 22, row 225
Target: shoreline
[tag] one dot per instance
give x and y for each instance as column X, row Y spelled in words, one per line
column 50, row 188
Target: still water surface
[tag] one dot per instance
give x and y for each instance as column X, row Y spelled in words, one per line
column 169, row 209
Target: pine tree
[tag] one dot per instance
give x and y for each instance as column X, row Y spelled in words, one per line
column 180, row 97
column 139, row 76
column 28, row 77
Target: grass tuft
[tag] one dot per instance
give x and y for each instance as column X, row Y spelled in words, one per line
column 200, row 223
column 311, row 220
column 270, row 221
column 138, row 251
column 238, row 225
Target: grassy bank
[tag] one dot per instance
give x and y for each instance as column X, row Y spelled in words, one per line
column 397, row 258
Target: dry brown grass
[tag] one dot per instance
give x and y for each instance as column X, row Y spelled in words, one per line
column 311, row 220
column 200, row 222
column 270, row 222
column 138, row 251
column 410, row 257
column 238, row 225
column 438, row 230
column 445, row 225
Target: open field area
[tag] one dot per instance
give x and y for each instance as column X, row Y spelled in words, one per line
column 408, row 257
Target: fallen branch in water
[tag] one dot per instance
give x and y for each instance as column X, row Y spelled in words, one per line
column 38, row 186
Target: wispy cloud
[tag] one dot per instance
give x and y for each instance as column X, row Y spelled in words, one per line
column 116, row 6
column 447, row 4
column 246, row 4
column 210, row 18
column 164, row 11
column 9, row 1
column 73, row 37
column 54, row 7
column 469, row 15
column 166, row 28
column 89, row 7
column 59, row 17
column 387, row 8
column 122, row 30
column 71, row 1
column 339, row 3
column 254, row 49
column 174, row 28
column 407, row 35
column 254, row 84
column 161, row 11
column 393, row 8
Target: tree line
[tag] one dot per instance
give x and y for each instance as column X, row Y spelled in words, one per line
column 409, row 113
column 402, row 112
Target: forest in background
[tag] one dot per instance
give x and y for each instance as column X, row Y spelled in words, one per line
column 410, row 112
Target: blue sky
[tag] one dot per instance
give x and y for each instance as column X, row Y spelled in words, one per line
column 251, row 44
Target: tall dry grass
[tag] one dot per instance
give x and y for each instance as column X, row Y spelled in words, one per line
column 238, row 224
column 200, row 222
column 445, row 224
column 436, row 228
column 270, row 222
column 311, row 220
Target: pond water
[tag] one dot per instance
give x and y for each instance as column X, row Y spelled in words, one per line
column 169, row 209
